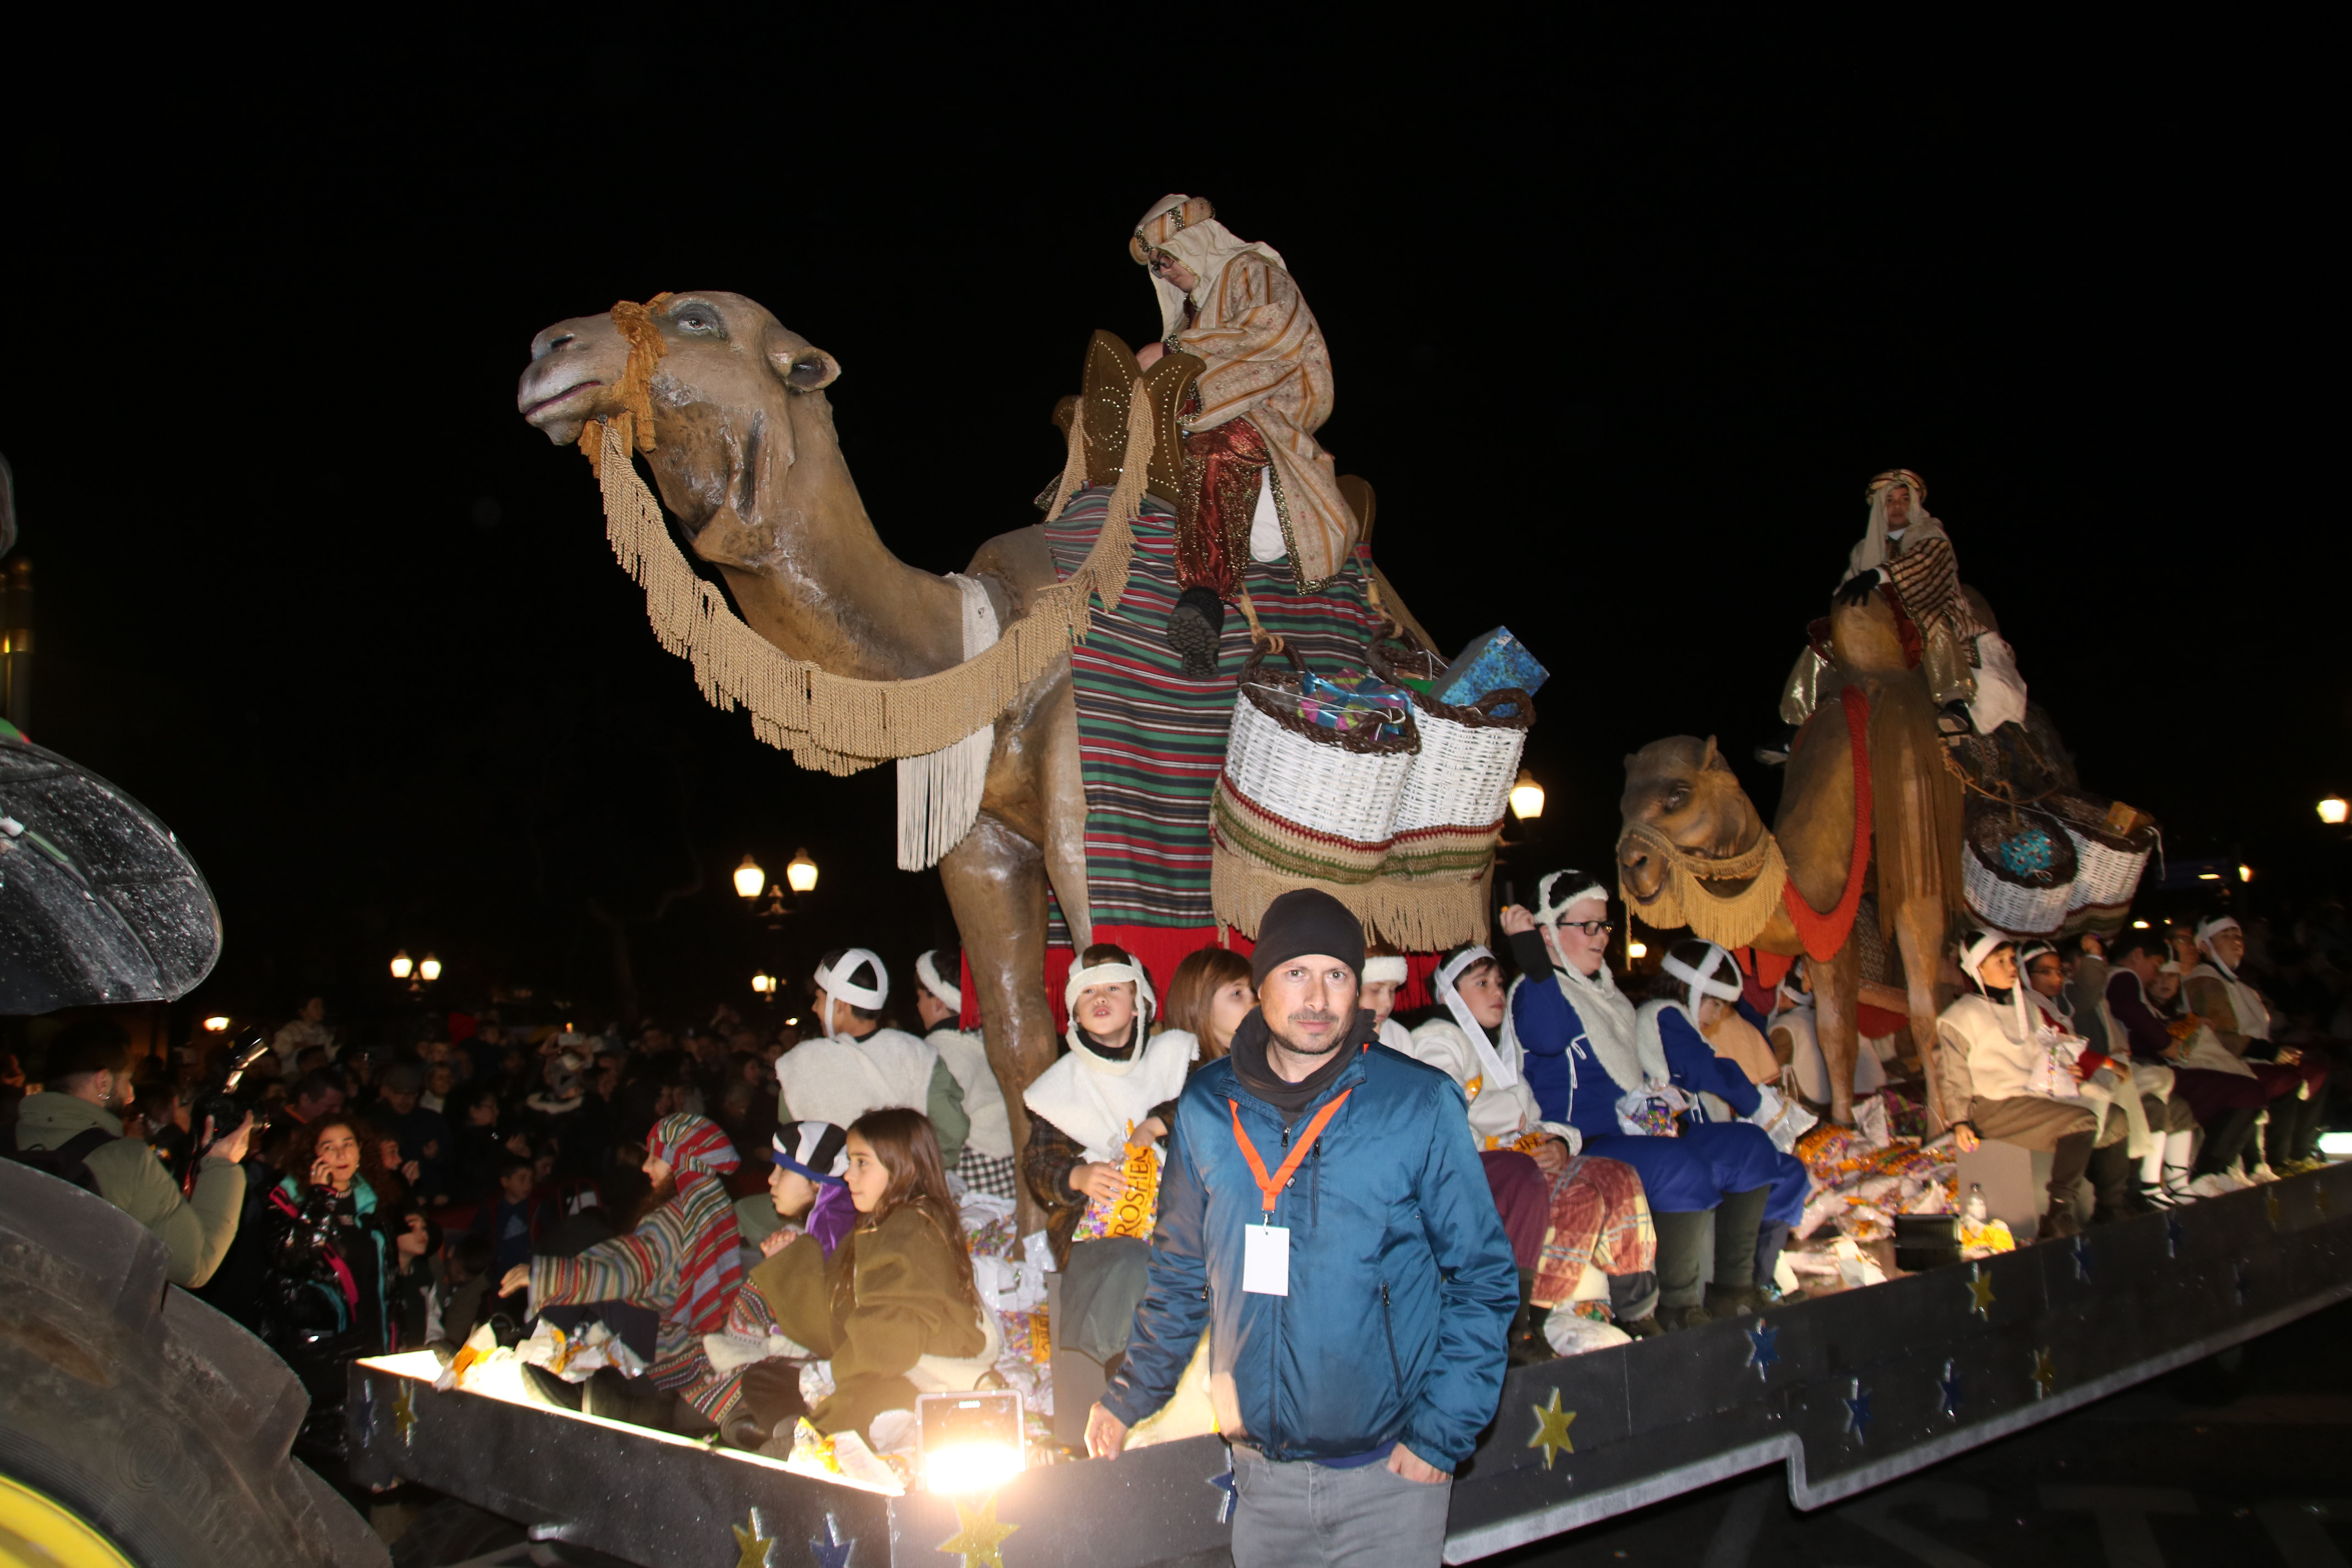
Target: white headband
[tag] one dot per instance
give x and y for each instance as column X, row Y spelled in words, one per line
column 836, row 982
column 2215, row 926
column 927, row 970
column 1145, row 1004
column 1981, row 948
column 1550, row 904
column 1384, row 968
column 1702, row 980
column 1498, row 1073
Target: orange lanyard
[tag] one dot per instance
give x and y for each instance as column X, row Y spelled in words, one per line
column 1270, row 1186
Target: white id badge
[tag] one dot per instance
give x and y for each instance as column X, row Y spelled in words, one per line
column 1266, row 1259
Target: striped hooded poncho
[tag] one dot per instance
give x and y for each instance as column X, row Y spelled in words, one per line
column 681, row 1261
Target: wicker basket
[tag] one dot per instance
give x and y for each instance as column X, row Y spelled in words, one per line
column 2111, row 853
column 1451, row 811
column 2020, row 869
column 1302, row 799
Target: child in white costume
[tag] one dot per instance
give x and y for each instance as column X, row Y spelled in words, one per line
column 987, row 1164
column 858, row 1065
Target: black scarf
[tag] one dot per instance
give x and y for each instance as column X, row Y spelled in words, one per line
column 1257, row 1074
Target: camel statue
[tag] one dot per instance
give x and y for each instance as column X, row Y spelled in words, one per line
column 749, row 468
column 1687, row 823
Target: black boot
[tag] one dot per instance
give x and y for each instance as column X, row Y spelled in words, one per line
column 1527, row 1344
column 1681, row 1244
column 2115, row 1176
column 1738, row 1218
column 1194, row 628
column 2225, row 1141
column 1769, row 1241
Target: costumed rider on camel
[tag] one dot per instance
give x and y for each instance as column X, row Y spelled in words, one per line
column 1255, row 485
column 859, row 1066
column 1970, row 670
column 1618, row 1079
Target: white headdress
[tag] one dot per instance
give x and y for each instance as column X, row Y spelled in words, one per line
column 1557, row 892
column 1384, row 968
column 837, row 986
column 1876, row 541
column 1499, row 1072
column 1972, row 961
column 2210, row 928
column 1134, row 975
column 1186, row 228
column 1702, row 980
column 927, row 970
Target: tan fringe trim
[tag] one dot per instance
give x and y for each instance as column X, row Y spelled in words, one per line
column 1729, row 920
column 1420, row 916
column 832, row 723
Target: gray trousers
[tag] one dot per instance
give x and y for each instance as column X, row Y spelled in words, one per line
column 1302, row 1514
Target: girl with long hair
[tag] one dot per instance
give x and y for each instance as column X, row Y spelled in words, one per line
column 894, row 1307
column 1208, row 999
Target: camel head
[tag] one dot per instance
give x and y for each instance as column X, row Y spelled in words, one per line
column 1682, row 790
column 732, row 408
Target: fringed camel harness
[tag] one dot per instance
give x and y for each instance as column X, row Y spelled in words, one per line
column 940, row 726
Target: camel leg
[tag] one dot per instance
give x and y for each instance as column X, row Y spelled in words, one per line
column 1837, row 1013
column 1064, row 791
column 1920, row 929
column 997, row 884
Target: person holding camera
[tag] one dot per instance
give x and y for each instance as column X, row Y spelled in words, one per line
column 72, row 1129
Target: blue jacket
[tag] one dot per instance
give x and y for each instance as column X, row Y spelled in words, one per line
column 1401, row 1285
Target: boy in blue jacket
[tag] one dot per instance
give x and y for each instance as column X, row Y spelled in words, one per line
column 1322, row 1216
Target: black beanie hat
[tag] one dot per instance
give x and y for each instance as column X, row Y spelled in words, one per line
column 1305, row 920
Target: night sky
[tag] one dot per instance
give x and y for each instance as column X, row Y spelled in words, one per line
column 1620, row 328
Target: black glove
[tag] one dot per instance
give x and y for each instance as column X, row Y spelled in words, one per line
column 1856, row 590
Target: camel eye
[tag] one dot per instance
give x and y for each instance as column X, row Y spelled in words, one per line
column 1678, row 797
column 696, row 319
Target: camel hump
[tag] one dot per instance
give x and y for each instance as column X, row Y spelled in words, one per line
column 1865, row 639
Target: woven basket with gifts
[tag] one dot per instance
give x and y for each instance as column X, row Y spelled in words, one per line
column 2019, row 867
column 1313, row 773
column 2112, row 843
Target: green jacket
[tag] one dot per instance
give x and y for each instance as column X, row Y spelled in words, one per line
column 197, row 1230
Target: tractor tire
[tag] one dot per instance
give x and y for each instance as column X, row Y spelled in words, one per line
column 163, row 1424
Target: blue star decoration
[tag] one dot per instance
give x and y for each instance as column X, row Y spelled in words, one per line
column 2176, row 1231
column 2082, row 1258
column 1760, row 1354
column 1857, row 1413
column 831, row 1551
column 1949, row 1386
column 1224, row 1485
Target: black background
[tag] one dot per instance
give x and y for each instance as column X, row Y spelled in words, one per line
column 1620, row 326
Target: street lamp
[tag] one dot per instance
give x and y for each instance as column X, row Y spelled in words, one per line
column 1526, row 797
column 1637, row 950
column 429, row 969
column 801, row 873
column 750, row 881
column 2332, row 811
column 217, row 1024
column 2245, row 872
column 403, row 966
column 764, row 984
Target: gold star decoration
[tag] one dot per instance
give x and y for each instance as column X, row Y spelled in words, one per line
column 403, row 1410
column 2271, row 1201
column 1980, row 1286
column 750, row 1546
column 979, row 1537
column 2044, row 1374
column 1551, row 1428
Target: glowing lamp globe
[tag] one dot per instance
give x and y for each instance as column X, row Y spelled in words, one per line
column 1526, row 797
column 402, row 966
column 217, row 1024
column 429, row 968
column 2332, row 811
column 1637, row 950
column 764, row 984
column 802, row 873
column 2245, row 873
column 750, row 881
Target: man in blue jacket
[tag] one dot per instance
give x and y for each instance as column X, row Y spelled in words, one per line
column 1322, row 1216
